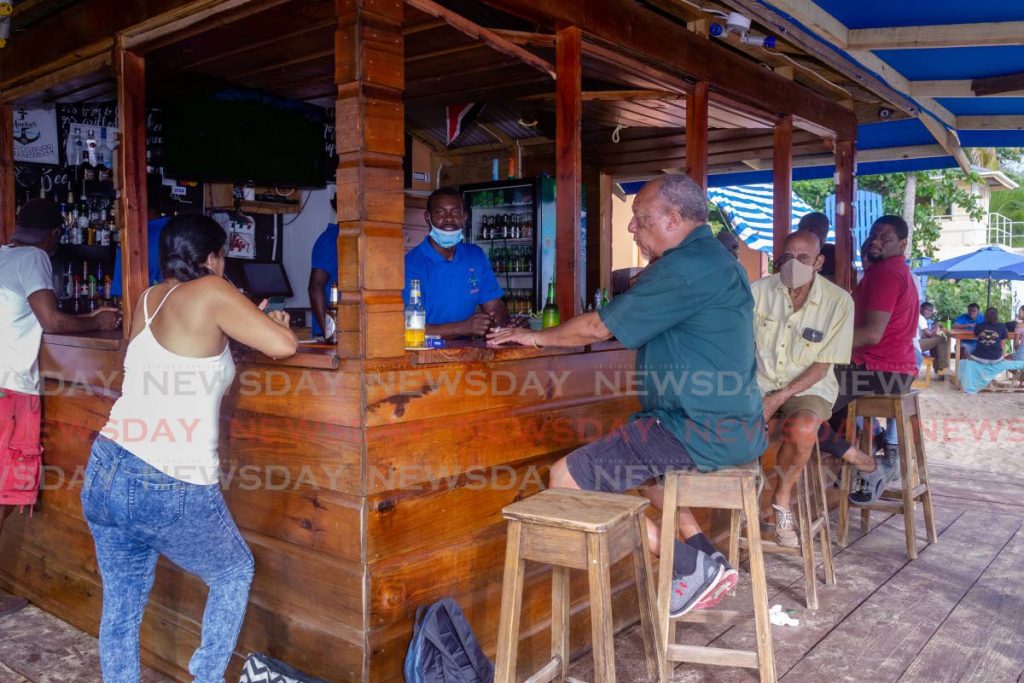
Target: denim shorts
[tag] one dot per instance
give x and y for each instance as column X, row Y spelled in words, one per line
column 641, row 451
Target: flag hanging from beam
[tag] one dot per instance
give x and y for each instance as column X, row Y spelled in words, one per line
column 458, row 115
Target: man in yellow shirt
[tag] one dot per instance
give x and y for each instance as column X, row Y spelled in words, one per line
column 803, row 324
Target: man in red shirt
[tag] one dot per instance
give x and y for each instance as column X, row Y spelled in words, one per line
column 884, row 326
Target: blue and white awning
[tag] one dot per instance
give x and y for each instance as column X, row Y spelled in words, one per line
column 748, row 209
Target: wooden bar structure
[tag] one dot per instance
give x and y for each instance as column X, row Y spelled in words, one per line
column 782, row 182
column 846, row 189
column 568, row 167
column 697, row 134
column 381, row 474
column 130, row 72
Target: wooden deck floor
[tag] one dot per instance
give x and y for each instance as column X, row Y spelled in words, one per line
column 954, row 614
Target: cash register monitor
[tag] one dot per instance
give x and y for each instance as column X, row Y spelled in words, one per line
column 265, row 280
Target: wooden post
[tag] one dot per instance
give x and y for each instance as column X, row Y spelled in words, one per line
column 370, row 137
column 782, row 194
column 844, row 213
column 697, row 134
column 7, row 198
column 130, row 71
column 568, row 169
column 605, row 227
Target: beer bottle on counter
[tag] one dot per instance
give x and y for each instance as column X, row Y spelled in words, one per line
column 415, row 318
column 550, row 316
column 332, row 314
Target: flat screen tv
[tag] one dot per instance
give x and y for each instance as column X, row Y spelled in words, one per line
column 244, row 141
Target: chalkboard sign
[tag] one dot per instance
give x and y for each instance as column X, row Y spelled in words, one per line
column 55, row 181
column 99, row 114
column 330, row 148
column 154, row 137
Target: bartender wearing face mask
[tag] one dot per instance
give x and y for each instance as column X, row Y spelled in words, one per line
column 803, row 324
column 460, row 293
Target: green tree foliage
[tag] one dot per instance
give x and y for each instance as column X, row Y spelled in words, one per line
column 936, row 192
column 952, row 296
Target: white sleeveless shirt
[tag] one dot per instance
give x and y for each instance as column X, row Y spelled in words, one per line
column 169, row 410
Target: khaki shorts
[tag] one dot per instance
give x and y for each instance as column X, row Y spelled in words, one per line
column 815, row 404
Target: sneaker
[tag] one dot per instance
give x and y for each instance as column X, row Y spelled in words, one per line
column 688, row 590
column 873, row 484
column 730, row 577
column 785, row 527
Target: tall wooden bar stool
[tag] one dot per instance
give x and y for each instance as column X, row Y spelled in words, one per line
column 726, row 489
column 812, row 518
column 571, row 529
column 914, row 485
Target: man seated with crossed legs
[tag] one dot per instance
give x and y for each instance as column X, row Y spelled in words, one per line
column 803, row 324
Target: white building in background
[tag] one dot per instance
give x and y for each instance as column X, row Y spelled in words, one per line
column 961, row 234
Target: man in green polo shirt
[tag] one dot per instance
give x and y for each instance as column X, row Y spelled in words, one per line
column 690, row 317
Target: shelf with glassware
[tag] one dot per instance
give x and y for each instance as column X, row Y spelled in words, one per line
column 83, row 265
column 513, row 222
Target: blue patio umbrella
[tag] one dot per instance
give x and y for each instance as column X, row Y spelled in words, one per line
column 988, row 263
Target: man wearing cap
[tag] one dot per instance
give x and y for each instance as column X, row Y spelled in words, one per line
column 28, row 308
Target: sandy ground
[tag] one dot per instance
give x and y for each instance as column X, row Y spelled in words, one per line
column 983, row 431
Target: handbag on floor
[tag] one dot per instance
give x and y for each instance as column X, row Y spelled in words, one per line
column 259, row 668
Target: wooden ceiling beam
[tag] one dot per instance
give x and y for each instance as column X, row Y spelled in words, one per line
column 997, row 85
column 954, row 88
column 191, row 20
column 630, row 27
column 444, row 52
column 97, row 63
column 791, row 16
column 943, row 35
column 488, row 37
column 990, row 122
column 289, row 36
column 498, row 92
column 618, row 96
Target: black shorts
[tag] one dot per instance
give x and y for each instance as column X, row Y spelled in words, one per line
column 628, row 457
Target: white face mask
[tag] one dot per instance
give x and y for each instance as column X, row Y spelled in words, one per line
column 795, row 274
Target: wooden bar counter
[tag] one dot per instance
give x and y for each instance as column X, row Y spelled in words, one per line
column 351, row 533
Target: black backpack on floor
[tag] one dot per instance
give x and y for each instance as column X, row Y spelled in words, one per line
column 444, row 649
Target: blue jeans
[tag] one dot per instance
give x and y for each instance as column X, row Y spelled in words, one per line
column 137, row 513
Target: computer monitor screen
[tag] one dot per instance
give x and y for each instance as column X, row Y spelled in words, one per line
column 266, row 279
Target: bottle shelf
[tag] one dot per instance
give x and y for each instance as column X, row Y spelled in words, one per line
column 508, row 240
column 503, row 206
column 525, row 273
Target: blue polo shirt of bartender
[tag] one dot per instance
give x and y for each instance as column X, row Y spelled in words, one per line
column 451, row 289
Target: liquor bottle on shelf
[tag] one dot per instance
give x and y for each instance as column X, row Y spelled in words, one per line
column 604, row 298
column 550, row 316
column 415, row 318
column 103, row 167
column 75, row 147
column 597, row 305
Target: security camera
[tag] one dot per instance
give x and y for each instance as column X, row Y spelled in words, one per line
column 884, row 113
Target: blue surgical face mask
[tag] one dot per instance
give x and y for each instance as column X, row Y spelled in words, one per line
column 446, row 239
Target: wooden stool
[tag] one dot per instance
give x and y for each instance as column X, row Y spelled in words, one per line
column 913, row 468
column 924, row 374
column 726, row 489
column 812, row 518
column 571, row 529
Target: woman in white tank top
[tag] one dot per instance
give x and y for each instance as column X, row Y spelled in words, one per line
column 151, row 487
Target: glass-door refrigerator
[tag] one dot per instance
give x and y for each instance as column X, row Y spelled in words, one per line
column 513, row 221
